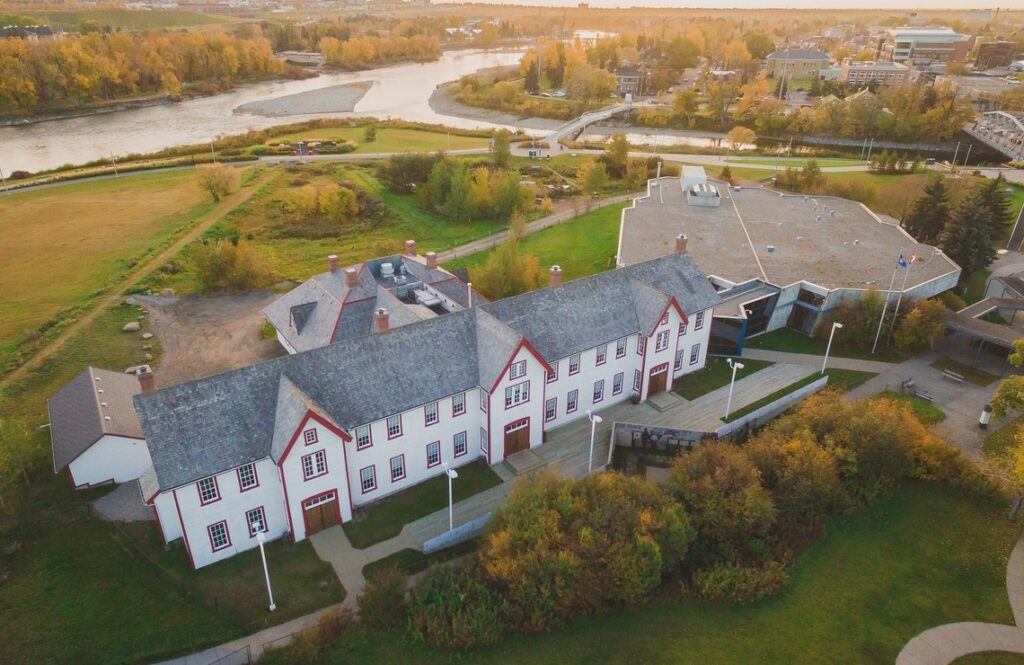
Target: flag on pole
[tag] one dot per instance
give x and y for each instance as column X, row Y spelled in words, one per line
column 902, row 262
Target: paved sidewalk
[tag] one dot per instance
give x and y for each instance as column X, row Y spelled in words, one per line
column 124, row 504
column 815, row 361
column 944, row 644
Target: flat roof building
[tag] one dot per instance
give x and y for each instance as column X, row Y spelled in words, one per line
column 796, row 63
column 863, row 72
column 909, row 44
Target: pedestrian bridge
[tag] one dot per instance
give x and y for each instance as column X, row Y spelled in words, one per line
column 572, row 128
column 1002, row 131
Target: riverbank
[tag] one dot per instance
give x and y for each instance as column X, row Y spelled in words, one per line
column 332, row 99
column 442, row 101
column 113, row 106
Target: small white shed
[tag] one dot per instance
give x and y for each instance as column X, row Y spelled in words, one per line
column 693, row 175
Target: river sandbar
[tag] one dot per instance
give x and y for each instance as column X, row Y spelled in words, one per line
column 332, row 99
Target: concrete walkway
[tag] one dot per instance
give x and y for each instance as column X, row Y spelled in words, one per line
column 944, row 644
column 124, row 504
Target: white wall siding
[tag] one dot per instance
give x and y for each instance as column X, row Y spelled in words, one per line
column 590, row 372
column 113, row 458
column 533, row 409
column 167, row 516
column 299, row 489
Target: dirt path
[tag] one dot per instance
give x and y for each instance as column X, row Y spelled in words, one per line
column 113, row 294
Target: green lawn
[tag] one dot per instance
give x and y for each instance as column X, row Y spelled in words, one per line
column 582, row 246
column 841, row 379
column 920, row 556
column 412, row 561
column 1004, row 437
column 791, row 341
column 384, row 519
column 716, row 373
column 978, row 377
column 925, row 411
column 991, row 658
column 391, row 139
column 972, row 289
column 794, row 162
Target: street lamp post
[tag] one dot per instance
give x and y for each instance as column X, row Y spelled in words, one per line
column 452, row 475
column 735, row 366
column 261, row 538
column 594, row 420
column 835, row 326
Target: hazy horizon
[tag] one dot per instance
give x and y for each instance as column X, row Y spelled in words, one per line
column 933, row 5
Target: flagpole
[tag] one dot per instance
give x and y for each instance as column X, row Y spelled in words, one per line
column 886, row 305
column 899, row 298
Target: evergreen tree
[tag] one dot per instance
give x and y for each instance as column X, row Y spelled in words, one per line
column 967, row 239
column 991, row 196
column 930, row 212
column 532, row 82
column 457, row 205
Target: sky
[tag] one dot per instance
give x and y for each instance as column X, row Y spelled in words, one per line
column 768, row 4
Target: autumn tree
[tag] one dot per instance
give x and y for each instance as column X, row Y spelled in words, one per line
column 930, row 213
column 739, row 136
column 592, row 177
column 338, row 203
column 217, row 179
column 506, row 272
column 921, row 327
column 636, row 174
column 501, row 154
column 616, row 155
column 758, row 44
column 226, row 266
column 685, row 105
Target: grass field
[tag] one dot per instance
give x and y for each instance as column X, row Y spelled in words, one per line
column 582, row 246
column 391, row 139
column 1004, row 437
column 840, row 379
column 794, row 162
column 925, row 411
column 978, row 377
column 716, row 373
column 879, row 576
column 64, row 244
column 127, row 19
column 789, row 340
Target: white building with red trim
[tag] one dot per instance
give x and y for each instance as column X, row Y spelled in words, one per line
column 299, row 443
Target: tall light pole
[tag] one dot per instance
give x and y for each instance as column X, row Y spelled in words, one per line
column 452, row 475
column 835, row 326
column 594, row 420
column 261, row 538
column 735, row 366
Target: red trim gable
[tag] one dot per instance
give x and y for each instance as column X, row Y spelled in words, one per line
column 671, row 303
column 311, row 415
column 523, row 343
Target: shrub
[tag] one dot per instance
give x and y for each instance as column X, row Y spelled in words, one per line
column 740, row 584
column 227, row 266
column 452, row 607
column 311, row 643
column 382, row 603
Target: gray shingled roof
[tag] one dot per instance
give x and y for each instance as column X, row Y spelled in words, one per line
column 80, row 414
column 203, row 427
column 798, row 54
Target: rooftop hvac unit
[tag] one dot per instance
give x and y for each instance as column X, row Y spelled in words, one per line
column 387, row 269
column 770, row 248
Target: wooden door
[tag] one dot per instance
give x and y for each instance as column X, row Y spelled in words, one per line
column 658, row 383
column 517, row 437
column 321, row 513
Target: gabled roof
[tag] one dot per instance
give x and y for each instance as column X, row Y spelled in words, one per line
column 94, row 403
column 203, row 427
column 300, row 315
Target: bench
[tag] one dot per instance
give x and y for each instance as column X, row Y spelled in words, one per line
column 953, row 376
column 923, row 395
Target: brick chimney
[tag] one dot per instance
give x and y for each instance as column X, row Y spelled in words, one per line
column 410, row 248
column 351, row 278
column 380, row 320
column 332, row 263
column 680, row 244
column 431, row 261
column 148, row 382
column 555, row 277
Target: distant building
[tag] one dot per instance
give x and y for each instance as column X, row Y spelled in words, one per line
column 27, row 32
column 627, row 80
column 796, row 63
column 863, row 72
column 904, row 45
column 995, row 53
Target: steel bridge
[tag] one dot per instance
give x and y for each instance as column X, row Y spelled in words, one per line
column 1002, row 131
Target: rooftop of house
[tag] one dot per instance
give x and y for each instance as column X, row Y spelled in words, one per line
column 875, row 64
column 798, row 54
column 204, row 427
column 94, row 403
column 758, row 233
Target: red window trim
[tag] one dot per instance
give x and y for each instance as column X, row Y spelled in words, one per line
column 372, row 467
column 216, row 486
column 552, row 376
column 227, row 535
column 426, row 451
column 387, row 428
column 249, row 523
column 465, row 438
column 519, row 424
column 316, row 437
column 663, row 334
column 641, row 345
column 369, row 434
column 484, row 436
column 529, row 394
column 597, row 401
column 484, row 399
column 391, row 469
column 437, row 414
column 460, row 413
column 302, row 464
column 698, row 321
column 255, row 475
column 569, row 401
column 554, row 413
column 598, row 355
column 512, row 367
column 622, row 381
column 624, row 344
column 579, row 363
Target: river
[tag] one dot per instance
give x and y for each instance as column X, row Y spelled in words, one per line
column 399, row 92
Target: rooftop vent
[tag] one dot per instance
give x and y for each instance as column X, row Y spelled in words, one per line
column 387, row 269
column 770, row 248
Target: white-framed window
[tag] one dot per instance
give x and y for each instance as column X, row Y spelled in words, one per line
column 641, row 345
column 314, row 465
column 368, row 479
column 247, row 477
column 682, row 328
column 430, row 413
column 617, row 383
column 517, row 394
column 257, row 521
column 572, row 401
column 517, row 370
column 637, row 380
column 598, row 391
column 433, row 453
column 679, row 359
column 553, row 374
column 458, row 404
column 394, row 426
column 620, row 348
column 208, row 491
column 459, row 444
column 694, row 354
column 661, row 342
column 219, row 537
column 363, row 439
column 310, row 437
column 698, row 322
column 602, row 354
column 397, row 467
column 483, row 400
column 483, row 441
column 574, row 364
column 550, row 409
